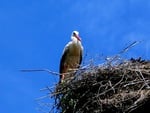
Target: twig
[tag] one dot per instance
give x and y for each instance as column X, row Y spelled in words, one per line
column 110, row 60
column 49, row 71
column 35, row 70
column 40, row 98
column 128, row 47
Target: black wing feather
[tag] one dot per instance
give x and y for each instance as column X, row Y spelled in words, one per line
column 80, row 58
column 62, row 61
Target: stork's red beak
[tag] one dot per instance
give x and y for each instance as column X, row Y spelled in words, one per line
column 78, row 37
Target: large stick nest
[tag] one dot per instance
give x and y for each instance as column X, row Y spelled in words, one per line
column 113, row 88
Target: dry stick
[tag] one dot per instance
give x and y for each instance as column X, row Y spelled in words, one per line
column 128, row 47
column 144, row 79
column 46, row 70
column 47, row 88
column 49, row 71
column 123, row 51
column 43, row 97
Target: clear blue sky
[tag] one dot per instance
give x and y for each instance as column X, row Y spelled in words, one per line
column 33, row 34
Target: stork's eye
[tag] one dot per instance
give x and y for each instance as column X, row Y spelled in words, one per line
column 74, row 33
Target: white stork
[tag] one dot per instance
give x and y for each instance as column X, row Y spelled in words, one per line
column 72, row 56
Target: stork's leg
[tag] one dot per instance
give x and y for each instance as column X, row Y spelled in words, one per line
column 62, row 78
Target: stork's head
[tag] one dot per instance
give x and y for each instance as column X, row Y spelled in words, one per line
column 75, row 36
